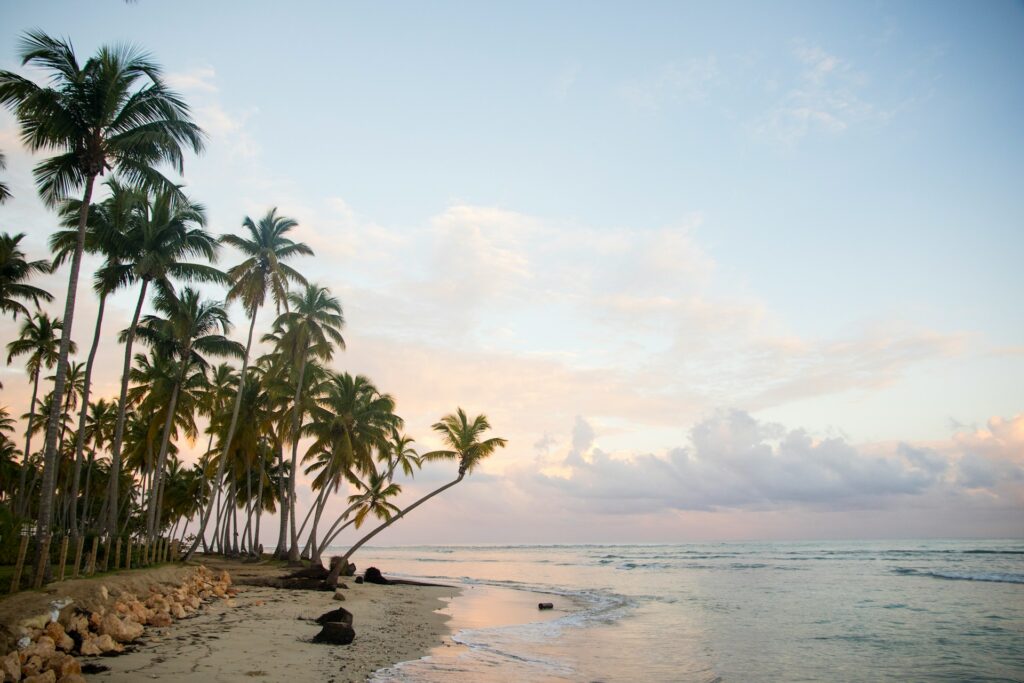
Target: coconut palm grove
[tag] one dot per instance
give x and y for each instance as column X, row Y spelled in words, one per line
column 108, row 469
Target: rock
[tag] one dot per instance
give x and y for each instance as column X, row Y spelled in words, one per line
column 349, row 570
column 98, row 645
column 359, row 579
column 177, row 611
column 37, row 622
column 64, row 665
column 335, row 633
column 339, row 595
column 10, row 667
column 545, row 605
column 42, row 648
column 71, row 678
column 373, row 575
column 160, row 619
column 61, row 639
column 340, row 615
column 343, row 585
column 45, row 677
column 104, row 593
column 121, row 630
column 31, row 666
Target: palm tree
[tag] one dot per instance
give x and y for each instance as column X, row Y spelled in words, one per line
column 98, row 117
column 190, row 330
column 221, row 385
column 38, row 340
column 8, row 456
column 263, row 270
column 463, row 439
column 15, row 271
column 310, row 330
column 107, row 226
column 167, row 232
column 5, row 193
column 398, row 453
column 99, row 430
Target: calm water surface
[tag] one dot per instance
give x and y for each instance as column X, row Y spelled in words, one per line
column 842, row 611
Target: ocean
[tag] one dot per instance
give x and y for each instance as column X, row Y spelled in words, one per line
column 709, row 612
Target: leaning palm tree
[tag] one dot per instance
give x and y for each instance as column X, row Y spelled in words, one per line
column 111, row 113
column 166, row 233
column 263, row 271
column 15, row 271
column 310, row 330
column 38, row 340
column 463, row 439
column 397, row 454
column 187, row 329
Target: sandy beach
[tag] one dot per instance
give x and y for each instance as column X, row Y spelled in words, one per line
column 260, row 633
column 264, row 634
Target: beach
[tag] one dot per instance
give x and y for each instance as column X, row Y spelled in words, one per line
column 258, row 633
column 264, row 634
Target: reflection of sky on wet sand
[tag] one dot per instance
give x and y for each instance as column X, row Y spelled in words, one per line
column 490, row 606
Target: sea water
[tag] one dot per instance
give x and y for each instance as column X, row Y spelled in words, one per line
column 818, row 611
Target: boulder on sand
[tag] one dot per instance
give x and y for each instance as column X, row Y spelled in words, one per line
column 373, row 575
column 335, row 633
column 341, row 615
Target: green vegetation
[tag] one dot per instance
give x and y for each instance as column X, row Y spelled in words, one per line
column 109, row 467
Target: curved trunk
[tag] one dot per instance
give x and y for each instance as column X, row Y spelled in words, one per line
column 293, row 552
column 22, row 493
column 397, row 517
column 331, row 533
column 80, row 437
column 110, row 525
column 227, row 441
column 50, row 449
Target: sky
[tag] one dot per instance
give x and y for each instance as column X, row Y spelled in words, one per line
column 716, row 270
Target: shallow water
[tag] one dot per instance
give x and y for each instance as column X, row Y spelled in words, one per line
column 839, row 611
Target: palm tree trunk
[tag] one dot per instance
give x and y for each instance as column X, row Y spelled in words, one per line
column 248, row 502
column 50, row 449
column 282, row 535
column 401, row 514
column 85, row 499
column 22, row 493
column 259, row 505
column 80, row 437
column 293, row 552
column 122, row 408
column 331, row 533
column 153, row 515
column 231, row 433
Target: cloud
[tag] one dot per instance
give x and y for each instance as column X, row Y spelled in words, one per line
column 677, row 81
column 199, row 80
column 826, row 95
column 735, row 462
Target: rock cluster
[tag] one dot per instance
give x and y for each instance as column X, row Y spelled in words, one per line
column 48, row 654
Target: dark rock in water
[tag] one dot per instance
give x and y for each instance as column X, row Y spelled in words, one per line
column 373, row 575
column 340, row 615
column 349, row 570
column 359, row 579
column 335, row 633
column 545, row 605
